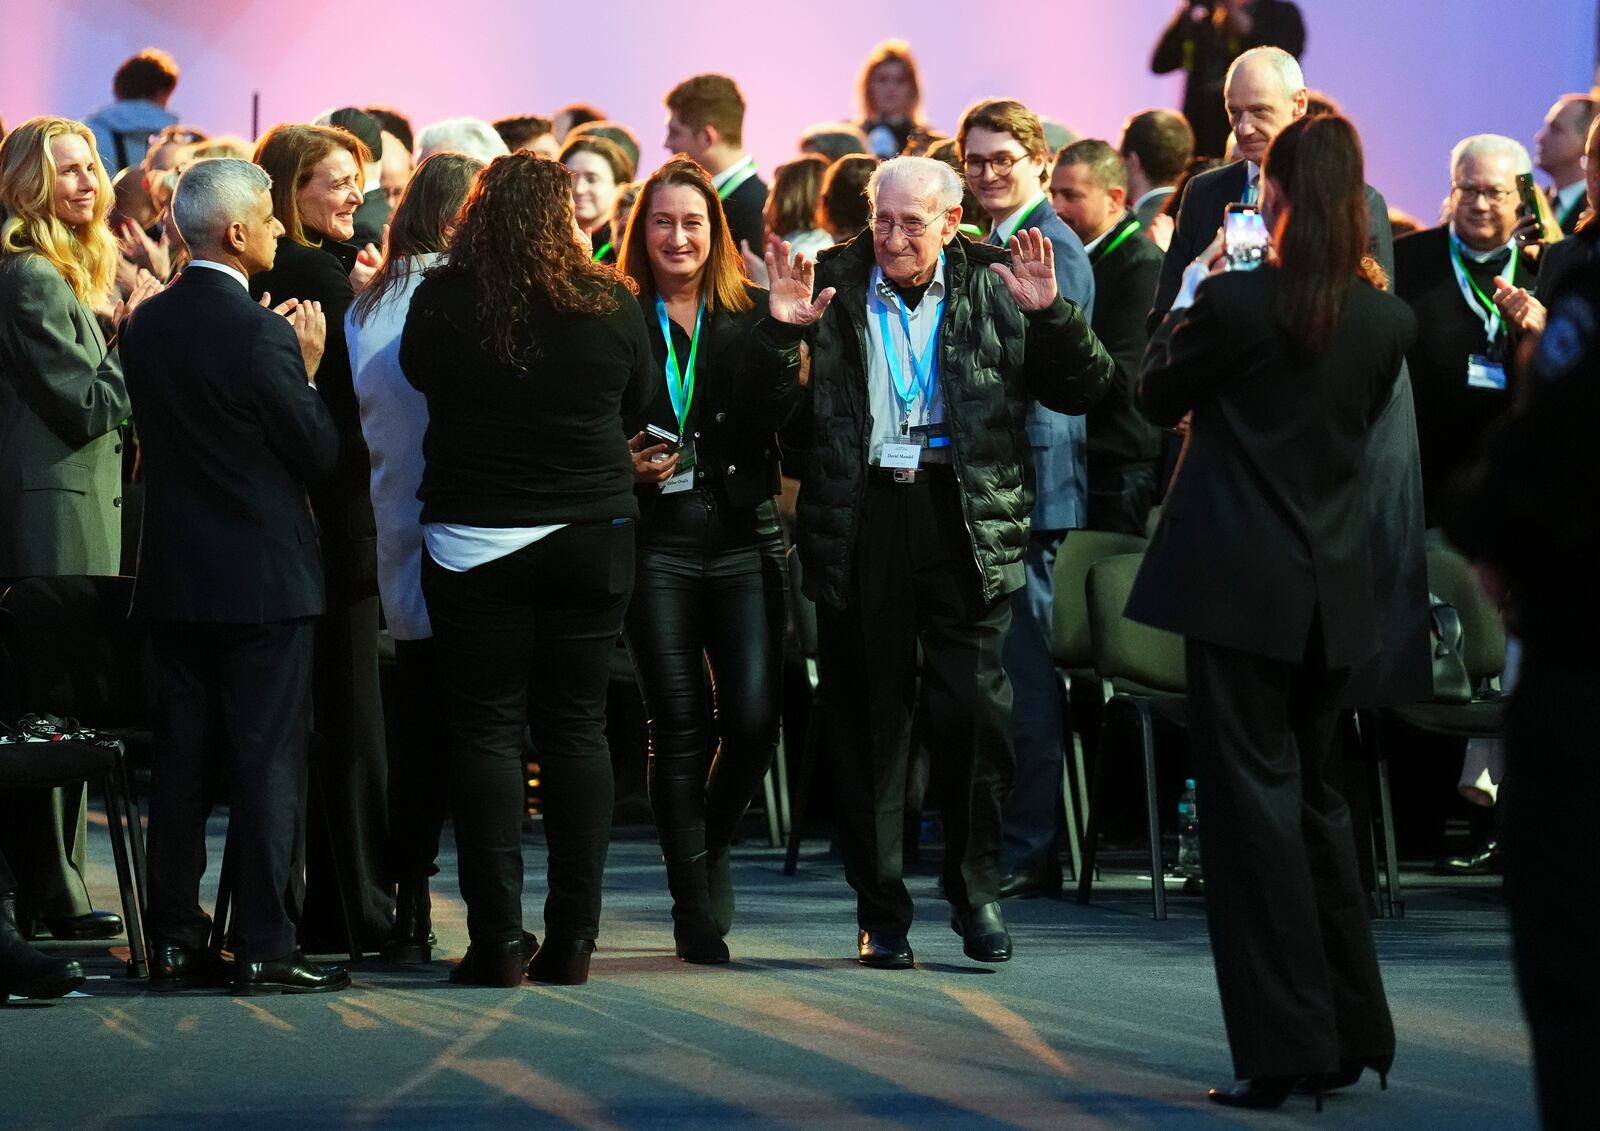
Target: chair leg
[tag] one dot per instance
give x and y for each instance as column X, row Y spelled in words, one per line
column 224, row 905
column 117, row 818
column 1391, row 859
column 780, row 785
column 769, row 793
column 141, row 870
column 1147, row 751
column 1071, row 755
column 1091, row 834
column 808, row 765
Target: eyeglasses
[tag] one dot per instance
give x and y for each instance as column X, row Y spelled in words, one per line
column 911, row 229
column 1001, row 164
column 1492, row 196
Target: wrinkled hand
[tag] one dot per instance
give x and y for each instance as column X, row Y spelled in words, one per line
column 754, row 265
column 792, row 277
column 651, row 465
column 1520, row 309
column 1160, row 230
column 1031, row 278
column 310, row 327
column 144, row 286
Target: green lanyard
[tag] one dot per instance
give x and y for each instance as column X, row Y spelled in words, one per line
column 739, row 178
column 1128, row 229
column 680, row 385
column 1491, row 319
column 601, row 251
column 1022, row 214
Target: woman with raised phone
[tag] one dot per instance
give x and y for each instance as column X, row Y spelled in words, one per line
column 711, row 582
column 1263, row 562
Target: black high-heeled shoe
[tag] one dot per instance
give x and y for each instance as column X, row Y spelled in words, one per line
column 1262, row 1093
column 1350, row 1073
column 494, row 964
column 561, row 962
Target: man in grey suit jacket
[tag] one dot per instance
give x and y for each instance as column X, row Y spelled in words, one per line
column 1007, row 164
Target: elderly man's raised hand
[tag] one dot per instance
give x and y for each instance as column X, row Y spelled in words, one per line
column 1031, row 278
column 792, row 277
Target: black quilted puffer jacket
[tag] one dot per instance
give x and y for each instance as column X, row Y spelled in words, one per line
column 993, row 360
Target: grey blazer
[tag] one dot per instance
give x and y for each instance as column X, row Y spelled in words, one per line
column 61, row 399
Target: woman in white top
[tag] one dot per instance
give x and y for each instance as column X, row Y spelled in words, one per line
column 394, row 417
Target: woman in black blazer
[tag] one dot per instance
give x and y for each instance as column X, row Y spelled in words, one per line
column 316, row 189
column 531, row 356
column 711, row 567
column 1262, row 561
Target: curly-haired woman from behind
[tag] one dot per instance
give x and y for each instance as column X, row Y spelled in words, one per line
column 530, row 355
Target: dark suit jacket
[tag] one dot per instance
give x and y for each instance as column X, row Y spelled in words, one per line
column 1451, row 415
column 61, row 399
column 371, row 217
column 743, row 207
column 343, row 505
column 1269, row 525
column 1200, row 215
column 230, row 434
column 1124, row 283
column 1561, row 257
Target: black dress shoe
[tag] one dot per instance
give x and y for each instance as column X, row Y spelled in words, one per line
column 1043, row 877
column 291, row 974
column 1260, row 1094
column 884, row 951
column 561, row 962
column 94, row 925
column 494, row 964
column 1483, row 861
column 984, row 937
column 174, row 967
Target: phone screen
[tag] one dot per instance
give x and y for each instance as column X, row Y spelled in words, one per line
column 1244, row 238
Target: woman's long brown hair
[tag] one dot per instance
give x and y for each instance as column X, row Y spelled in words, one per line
column 516, row 240
column 420, row 224
column 723, row 280
column 1317, row 164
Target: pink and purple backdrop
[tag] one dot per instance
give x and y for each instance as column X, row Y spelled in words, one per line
column 1416, row 75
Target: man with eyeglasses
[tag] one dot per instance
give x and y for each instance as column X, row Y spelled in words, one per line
column 1448, row 276
column 926, row 353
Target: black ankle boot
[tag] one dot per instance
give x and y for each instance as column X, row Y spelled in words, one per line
column 495, row 964
column 26, row 972
column 410, row 940
column 693, row 927
column 561, row 962
column 719, row 883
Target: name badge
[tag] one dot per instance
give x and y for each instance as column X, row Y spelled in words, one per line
column 901, row 456
column 1485, row 373
column 681, row 481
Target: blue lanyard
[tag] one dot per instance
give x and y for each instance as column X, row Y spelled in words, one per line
column 680, row 384
column 922, row 368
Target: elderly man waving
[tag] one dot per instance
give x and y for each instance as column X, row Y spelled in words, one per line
column 926, row 353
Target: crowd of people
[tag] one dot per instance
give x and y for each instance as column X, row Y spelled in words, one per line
column 498, row 390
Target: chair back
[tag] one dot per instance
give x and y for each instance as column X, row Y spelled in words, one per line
column 70, row 650
column 1125, row 649
column 1080, row 549
column 802, row 609
column 1483, row 635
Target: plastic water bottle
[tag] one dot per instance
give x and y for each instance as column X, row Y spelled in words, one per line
column 1188, row 832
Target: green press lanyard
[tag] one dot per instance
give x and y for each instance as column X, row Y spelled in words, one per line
column 1128, row 229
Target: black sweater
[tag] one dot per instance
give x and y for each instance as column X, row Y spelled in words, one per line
column 526, row 447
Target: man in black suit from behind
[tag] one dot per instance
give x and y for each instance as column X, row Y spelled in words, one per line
column 230, row 576
column 705, row 119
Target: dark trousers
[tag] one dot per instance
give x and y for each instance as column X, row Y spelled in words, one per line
column 417, row 782
column 1038, row 732
column 352, row 769
column 710, row 589
column 242, row 692
column 915, row 583
column 1551, row 785
column 1296, row 967
column 526, row 640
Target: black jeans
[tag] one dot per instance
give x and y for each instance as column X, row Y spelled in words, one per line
column 417, row 782
column 915, row 583
column 526, row 640
column 711, row 588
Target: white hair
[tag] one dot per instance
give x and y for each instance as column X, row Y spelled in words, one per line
column 1283, row 65
column 927, row 178
column 214, row 193
column 472, row 136
column 1490, row 145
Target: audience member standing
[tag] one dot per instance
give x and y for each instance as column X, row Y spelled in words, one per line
column 375, row 208
column 1007, row 162
column 1262, row 563
column 913, row 514
column 1447, row 274
column 316, row 189
column 889, row 92
column 1558, row 150
column 1156, row 147
column 711, row 583
column 62, row 405
column 1203, row 37
column 230, row 580
column 531, row 356
column 705, row 120
column 141, row 87
column 1524, row 307
column 394, row 420
column 599, row 169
